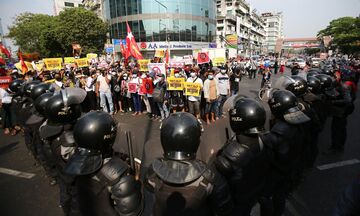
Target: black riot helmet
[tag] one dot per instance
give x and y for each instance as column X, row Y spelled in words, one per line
column 41, row 101
column 311, row 74
column 247, row 116
column 180, row 136
column 314, row 85
column 64, row 107
column 327, row 85
column 298, row 86
column 284, row 105
column 41, row 89
column 94, row 134
column 15, row 85
column 29, row 86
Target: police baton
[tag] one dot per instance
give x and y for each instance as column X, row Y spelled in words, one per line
column 131, row 154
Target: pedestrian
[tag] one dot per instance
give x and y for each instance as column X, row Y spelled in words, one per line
column 7, row 113
column 224, row 90
column 135, row 95
column 125, row 96
column 266, row 75
column 252, row 69
column 276, row 65
column 143, row 91
column 90, row 83
column 282, row 67
column 160, row 96
column 194, row 102
column 211, row 95
column 235, row 79
column 104, row 91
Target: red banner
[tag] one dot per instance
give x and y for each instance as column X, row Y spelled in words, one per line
column 203, row 57
column 5, row 81
column 132, row 87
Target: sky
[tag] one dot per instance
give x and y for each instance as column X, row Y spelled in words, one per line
column 302, row 18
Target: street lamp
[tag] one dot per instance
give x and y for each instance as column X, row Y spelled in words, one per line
column 166, row 29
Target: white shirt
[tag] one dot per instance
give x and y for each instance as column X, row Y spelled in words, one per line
column 5, row 97
column 104, row 86
column 89, row 84
column 198, row 80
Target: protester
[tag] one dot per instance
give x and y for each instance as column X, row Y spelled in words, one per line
column 211, row 94
column 104, row 91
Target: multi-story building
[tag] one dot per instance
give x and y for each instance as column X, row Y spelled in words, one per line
column 183, row 26
column 98, row 6
column 60, row 5
column 2, row 40
column 274, row 29
column 235, row 17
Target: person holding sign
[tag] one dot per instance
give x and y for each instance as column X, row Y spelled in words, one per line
column 211, row 95
column 133, row 88
column 194, row 101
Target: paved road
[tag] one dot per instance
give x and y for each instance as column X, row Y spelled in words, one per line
column 316, row 195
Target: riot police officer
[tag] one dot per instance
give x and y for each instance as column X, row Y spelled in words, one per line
column 62, row 110
column 104, row 185
column 181, row 184
column 286, row 139
column 243, row 160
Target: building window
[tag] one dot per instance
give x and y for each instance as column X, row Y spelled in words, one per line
column 69, row 4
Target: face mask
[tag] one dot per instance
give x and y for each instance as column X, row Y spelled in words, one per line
column 98, row 74
column 177, row 75
column 193, row 75
column 223, row 71
column 125, row 78
column 143, row 76
column 113, row 73
column 134, row 75
column 210, row 77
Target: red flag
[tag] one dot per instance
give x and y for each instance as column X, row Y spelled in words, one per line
column 24, row 68
column 2, row 61
column 132, row 47
column 203, row 57
column 4, row 50
column 124, row 51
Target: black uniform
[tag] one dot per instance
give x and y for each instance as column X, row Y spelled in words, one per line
column 187, row 188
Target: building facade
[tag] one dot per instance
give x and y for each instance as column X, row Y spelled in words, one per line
column 97, row 6
column 273, row 29
column 236, row 17
column 60, row 5
column 2, row 40
column 181, row 25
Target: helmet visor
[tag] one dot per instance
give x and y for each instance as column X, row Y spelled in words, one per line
column 83, row 162
column 295, row 116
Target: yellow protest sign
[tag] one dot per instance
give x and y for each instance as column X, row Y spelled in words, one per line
column 82, row 62
column 69, row 60
column 28, row 65
column 53, row 63
column 192, row 89
column 218, row 61
column 39, row 66
column 175, row 84
column 143, row 64
column 91, row 56
column 159, row 53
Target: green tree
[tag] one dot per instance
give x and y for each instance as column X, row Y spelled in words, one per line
column 81, row 26
column 35, row 33
column 345, row 33
column 52, row 36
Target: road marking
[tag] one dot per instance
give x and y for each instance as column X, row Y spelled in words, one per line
column 17, row 173
column 338, row 164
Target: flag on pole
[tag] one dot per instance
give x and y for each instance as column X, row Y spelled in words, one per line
column 4, row 50
column 132, row 47
column 24, row 68
column 124, row 51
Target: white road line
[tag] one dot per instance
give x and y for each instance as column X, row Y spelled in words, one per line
column 17, row 173
column 338, row 164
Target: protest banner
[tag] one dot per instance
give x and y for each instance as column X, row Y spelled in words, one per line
column 231, row 41
column 38, row 65
column 176, row 64
column 132, row 87
column 192, row 89
column 69, row 60
column 203, row 57
column 188, row 60
column 160, row 53
column 28, row 65
column 92, row 57
column 143, row 63
column 53, row 63
column 218, row 61
column 82, row 62
column 175, row 84
column 157, row 68
column 5, row 81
